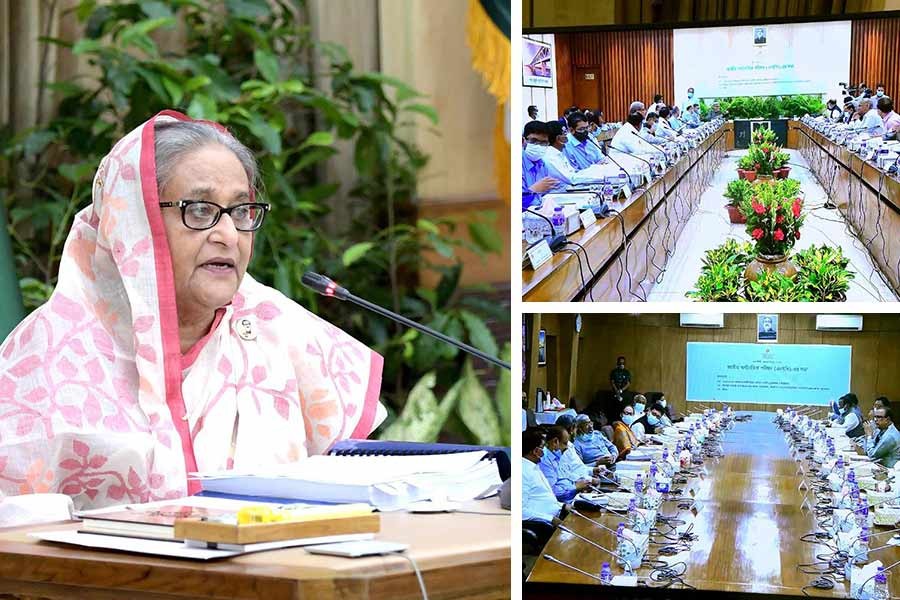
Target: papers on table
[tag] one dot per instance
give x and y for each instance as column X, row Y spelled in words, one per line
column 386, row 482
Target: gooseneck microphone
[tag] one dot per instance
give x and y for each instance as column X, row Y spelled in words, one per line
column 325, row 286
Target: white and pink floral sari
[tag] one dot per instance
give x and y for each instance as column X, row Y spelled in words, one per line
column 96, row 399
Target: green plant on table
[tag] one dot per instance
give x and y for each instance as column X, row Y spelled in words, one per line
column 248, row 65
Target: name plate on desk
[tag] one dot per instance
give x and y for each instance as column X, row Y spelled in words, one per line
column 587, row 218
column 539, row 254
column 626, row 191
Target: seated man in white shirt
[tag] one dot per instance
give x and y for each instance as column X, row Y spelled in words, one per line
column 566, row 477
column 648, row 130
column 664, row 128
column 628, row 140
column 558, row 165
column 541, row 511
column 870, row 121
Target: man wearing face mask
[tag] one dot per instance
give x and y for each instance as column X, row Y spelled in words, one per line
column 619, row 379
column 581, row 151
column 649, row 423
column 869, row 122
column 564, row 480
column 558, row 166
column 592, row 446
column 832, row 112
column 879, row 90
column 850, row 416
column 623, row 437
column 533, row 112
column 648, row 131
column 540, row 508
column 689, row 101
column 535, row 181
column 571, row 459
column 882, row 445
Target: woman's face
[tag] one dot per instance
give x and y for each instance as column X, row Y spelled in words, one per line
column 208, row 265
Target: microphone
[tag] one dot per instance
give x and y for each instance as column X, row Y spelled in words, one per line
column 626, row 565
column 325, row 286
column 556, row 241
column 652, row 145
column 568, row 566
column 635, row 155
column 602, row 526
column 883, row 570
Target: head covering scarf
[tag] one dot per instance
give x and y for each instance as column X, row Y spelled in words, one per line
column 96, row 399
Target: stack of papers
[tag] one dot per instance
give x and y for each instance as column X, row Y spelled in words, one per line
column 385, row 482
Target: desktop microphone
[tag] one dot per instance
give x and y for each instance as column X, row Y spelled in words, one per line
column 629, row 570
column 554, row 240
column 602, row 526
column 568, row 566
column 325, row 286
column 883, row 570
column 635, row 133
column 644, row 160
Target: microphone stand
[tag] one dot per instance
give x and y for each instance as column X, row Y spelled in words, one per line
column 568, row 566
column 626, row 565
column 327, row 287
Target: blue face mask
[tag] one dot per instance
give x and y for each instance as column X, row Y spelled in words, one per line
column 652, row 420
column 638, row 409
column 879, row 94
column 557, row 453
column 534, row 152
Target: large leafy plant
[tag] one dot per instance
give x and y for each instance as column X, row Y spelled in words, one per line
column 768, row 107
column 774, row 219
column 251, row 66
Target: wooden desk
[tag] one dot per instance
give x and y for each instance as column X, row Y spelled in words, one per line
column 461, row 556
column 626, row 266
column 748, row 520
column 868, row 199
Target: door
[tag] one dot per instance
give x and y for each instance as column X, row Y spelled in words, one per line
column 587, row 88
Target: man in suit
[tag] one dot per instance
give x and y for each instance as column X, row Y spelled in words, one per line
column 883, row 444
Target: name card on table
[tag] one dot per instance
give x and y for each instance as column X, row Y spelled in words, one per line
column 539, row 254
column 587, row 218
column 626, row 191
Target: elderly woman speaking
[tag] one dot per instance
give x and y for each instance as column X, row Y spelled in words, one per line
column 157, row 354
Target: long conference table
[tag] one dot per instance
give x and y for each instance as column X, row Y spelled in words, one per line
column 627, row 255
column 866, row 196
column 748, row 521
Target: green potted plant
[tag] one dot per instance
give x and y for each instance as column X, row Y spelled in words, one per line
column 746, row 169
column 774, row 219
column 736, row 192
column 824, row 273
column 774, row 286
column 781, row 165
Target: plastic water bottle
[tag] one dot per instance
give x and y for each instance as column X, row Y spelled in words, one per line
column 861, row 554
column 653, row 470
column 532, row 227
column 605, row 574
column 684, row 458
column 559, row 221
column 607, row 193
column 639, row 489
column 839, row 466
column 880, row 591
column 621, row 545
column 665, row 455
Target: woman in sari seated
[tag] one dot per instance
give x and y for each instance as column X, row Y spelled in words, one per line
column 157, row 355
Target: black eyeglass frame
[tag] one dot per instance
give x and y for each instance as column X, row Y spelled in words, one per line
column 183, row 204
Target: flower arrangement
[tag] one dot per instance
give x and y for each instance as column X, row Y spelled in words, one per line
column 774, row 218
column 822, row 277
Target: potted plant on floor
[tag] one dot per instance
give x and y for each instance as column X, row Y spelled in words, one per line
column 763, row 156
column 746, row 170
column 773, row 221
column 737, row 192
column 782, row 169
column 825, row 274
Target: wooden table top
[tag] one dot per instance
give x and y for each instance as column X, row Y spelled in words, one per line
column 460, row 555
column 748, row 520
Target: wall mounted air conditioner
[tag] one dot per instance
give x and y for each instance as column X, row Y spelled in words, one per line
column 708, row 321
column 839, row 322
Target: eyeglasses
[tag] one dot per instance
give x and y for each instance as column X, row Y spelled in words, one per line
column 537, row 142
column 200, row 214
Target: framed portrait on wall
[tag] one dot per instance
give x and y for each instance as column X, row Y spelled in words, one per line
column 542, row 348
column 767, row 329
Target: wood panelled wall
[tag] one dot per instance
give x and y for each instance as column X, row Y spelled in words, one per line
column 655, row 348
column 581, row 13
column 875, row 54
column 611, row 70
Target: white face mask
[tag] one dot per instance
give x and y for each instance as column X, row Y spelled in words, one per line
column 628, row 419
column 662, row 402
column 534, row 152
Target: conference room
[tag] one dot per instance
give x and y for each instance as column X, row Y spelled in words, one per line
column 712, row 455
column 709, row 152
